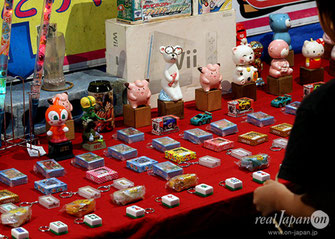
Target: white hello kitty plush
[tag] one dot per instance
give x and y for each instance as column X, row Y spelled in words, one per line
column 313, row 51
column 243, row 57
column 170, row 83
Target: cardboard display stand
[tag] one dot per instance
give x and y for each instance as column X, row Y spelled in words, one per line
column 138, row 117
column 308, row 76
column 246, row 90
column 171, row 108
column 279, row 86
column 208, row 101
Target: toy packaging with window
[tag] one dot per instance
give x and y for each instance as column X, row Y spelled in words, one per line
column 282, row 130
column 292, row 108
column 309, row 88
column 182, row 182
column 128, row 195
column 141, row 164
column 130, row 135
column 240, row 107
column 89, row 161
column 218, row 144
column 49, row 168
column 260, row 119
column 223, row 127
column 50, row 185
column 167, row 170
column 165, row 143
column 165, row 125
column 101, row 175
column 254, row 162
column 13, row 177
column 122, row 152
column 180, row 154
column 7, row 196
column 253, row 138
column 197, row 136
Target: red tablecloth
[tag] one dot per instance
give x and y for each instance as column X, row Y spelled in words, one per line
column 194, row 212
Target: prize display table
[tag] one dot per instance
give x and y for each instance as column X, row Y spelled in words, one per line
column 194, row 211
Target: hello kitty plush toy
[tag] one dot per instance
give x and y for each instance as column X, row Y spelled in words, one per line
column 243, row 57
column 313, row 51
column 170, row 82
column 210, row 77
column 138, row 93
column 278, row 50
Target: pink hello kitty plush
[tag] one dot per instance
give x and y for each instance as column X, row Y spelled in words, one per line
column 138, row 93
column 210, row 77
column 278, row 50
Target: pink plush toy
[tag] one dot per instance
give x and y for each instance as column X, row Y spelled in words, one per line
column 138, row 93
column 210, row 77
column 278, row 50
column 63, row 100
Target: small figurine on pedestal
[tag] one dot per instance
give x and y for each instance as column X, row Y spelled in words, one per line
column 208, row 98
column 257, row 47
column 280, row 23
column 138, row 112
column 241, row 34
column 245, row 74
column 312, row 71
column 279, row 79
column 60, row 147
column 92, row 140
column 170, row 98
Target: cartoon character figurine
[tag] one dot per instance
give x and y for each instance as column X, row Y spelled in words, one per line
column 63, row 99
column 243, row 57
column 138, row 93
column 313, row 51
column 56, row 115
column 210, row 77
column 280, row 23
column 170, row 82
column 241, row 34
column 257, row 47
column 87, row 104
column 278, row 50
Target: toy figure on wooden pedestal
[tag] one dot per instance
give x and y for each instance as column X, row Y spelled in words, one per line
column 63, row 100
column 138, row 112
column 170, row 98
column 60, row 147
column 208, row 98
column 279, row 79
column 257, row 47
column 245, row 74
column 280, row 23
column 312, row 71
column 241, row 34
column 92, row 140
column 329, row 44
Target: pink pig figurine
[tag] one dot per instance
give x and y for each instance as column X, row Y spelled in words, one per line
column 210, row 77
column 278, row 50
column 138, row 93
column 63, row 100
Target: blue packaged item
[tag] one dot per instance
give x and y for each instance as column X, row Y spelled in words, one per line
column 165, row 143
column 255, row 162
column 130, row 135
column 260, row 119
column 13, row 177
column 167, row 170
column 50, row 186
column 292, row 108
column 197, row 135
column 89, row 161
column 122, row 152
column 141, row 164
column 49, row 168
column 223, row 127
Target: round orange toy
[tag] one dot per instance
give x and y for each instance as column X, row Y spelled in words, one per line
column 56, row 115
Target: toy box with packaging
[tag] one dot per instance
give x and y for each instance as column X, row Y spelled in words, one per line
column 240, row 107
column 167, row 170
column 141, row 164
column 223, row 127
column 122, row 152
column 180, row 154
column 165, row 143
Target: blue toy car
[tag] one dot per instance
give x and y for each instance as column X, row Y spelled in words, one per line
column 281, row 101
column 201, row 119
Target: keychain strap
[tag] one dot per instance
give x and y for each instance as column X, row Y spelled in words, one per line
column 67, row 194
column 44, row 228
column 79, row 220
column 29, row 204
column 191, row 190
column 222, row 183
column 149, row 210
column 158, row 199
column 186, row 164
column 105, row 188
column 275, row 148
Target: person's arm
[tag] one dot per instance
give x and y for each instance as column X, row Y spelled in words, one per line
column 275, row 196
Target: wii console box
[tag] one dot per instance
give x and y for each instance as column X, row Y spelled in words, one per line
column 133, row 51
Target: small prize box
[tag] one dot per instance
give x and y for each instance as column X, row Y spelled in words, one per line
column 135, row 212
column 165, row 143
column 167, row 170
column 4, row 208
column 19, row 233
column 260, row 119
column 58, row 228
column 292, row 108
column 223, row 127
column 101, row 175
column 122, row 152
column 89, row 192
column 282, row 130
column 165, row 125
column 239, row 153
column 7, row 196
column 93, row 220
column 260, row 176
column 180, row 154
column 203, row 190
column 48, row 201
column 309, row 88
column 89, row 161
column 50, row 186
column 130, row 135
column 218, row 144
column 141, row 164
column 209, row 161
column 255, row 162
column 233, row 184
column 240, row 107
column 49, row 168
column 13, row 177
column 170, row 201
column 122, row 183
column 252, row 138
column 197, row 135
column 278, row 144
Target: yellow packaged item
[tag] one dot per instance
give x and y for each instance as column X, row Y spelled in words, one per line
column 182, row 182
column 80, row 207
column 180, row 155
column 16, row 217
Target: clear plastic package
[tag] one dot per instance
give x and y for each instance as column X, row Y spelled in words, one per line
column 128, row 195
column 49, row 168
column 89, row 192
column 239, row 153
column 89, row 161
column 182, row 182
column 122, row 152
column 130, row 135
column 209, row 161
column 122, row 183
column 4, row 208
column 16, row 217
column 279, row 144
column 48, row 201
column 254, row 162
column 101, row 175
column 80, row 207
column 260, row 119
column 197, row 136
column 13, row 177
column 223, row 127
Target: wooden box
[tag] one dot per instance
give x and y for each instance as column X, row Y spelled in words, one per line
column 308, row 76
column 246, row 90
column 290, row 58
column 208, row 101
column 171, row 108
column 279, row 86
column 70, row 135
column 138, row 117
